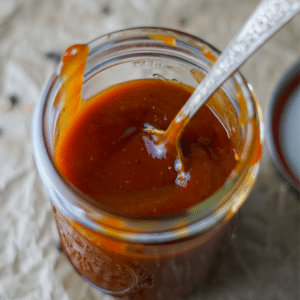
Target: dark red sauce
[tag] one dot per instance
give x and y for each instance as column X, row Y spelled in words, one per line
column 104, row 151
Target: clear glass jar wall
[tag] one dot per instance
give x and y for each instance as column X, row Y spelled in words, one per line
column 149, row 258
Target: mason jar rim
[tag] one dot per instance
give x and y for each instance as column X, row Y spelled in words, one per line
column 73, row 203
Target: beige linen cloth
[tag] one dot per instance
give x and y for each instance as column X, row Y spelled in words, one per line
column 263, row 259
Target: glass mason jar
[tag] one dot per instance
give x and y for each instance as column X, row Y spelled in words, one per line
column 149, row 258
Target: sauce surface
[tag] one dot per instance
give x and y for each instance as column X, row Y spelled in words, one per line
column 104, row 151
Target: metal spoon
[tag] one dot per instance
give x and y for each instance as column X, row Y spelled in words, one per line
column 269, row 16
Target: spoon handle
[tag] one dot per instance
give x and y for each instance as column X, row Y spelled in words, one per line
column 269, row 16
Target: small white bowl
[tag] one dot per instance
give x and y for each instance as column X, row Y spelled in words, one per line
column 283, row 125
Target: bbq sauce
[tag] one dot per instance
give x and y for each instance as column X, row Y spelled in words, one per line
column 106, row 154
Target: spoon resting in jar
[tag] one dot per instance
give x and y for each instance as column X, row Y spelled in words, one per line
column 267, row 19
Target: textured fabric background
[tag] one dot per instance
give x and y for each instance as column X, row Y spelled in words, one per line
column 263, row 258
